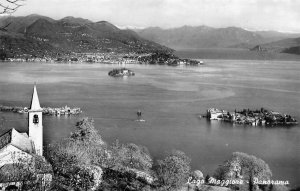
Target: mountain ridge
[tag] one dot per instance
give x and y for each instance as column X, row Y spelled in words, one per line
column 73, row 34
column 209, row 37
column 69, row 34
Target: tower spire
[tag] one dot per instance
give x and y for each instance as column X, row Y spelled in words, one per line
column 35, row 103
column 35, row 122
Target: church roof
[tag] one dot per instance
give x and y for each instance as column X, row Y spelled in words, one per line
column 19, row 140
column 35, row 103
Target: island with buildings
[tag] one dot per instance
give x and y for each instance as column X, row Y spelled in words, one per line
column 258, row 117
column 121, row 72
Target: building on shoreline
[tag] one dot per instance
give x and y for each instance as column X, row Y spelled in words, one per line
column 21, row 154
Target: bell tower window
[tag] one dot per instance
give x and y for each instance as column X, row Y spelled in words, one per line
column 35, row 119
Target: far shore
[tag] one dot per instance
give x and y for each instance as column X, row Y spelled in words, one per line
column 234, row 54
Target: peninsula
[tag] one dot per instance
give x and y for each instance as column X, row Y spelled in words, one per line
column 45, row 110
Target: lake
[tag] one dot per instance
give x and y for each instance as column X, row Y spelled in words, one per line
column 171, row 99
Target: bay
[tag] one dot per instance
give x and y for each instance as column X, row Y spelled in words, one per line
column 171, row 99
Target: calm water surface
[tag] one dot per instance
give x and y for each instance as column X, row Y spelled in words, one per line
column 171, row 99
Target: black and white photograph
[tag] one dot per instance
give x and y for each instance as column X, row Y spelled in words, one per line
column 149, row 95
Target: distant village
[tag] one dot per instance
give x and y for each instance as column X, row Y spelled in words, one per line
column 45, row 110
column 260, row 117
column 111, row 58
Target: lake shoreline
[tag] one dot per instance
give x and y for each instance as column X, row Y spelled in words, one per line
column 170, row 99
column 234, row 54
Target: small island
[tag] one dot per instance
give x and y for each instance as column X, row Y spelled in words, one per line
column 121, row 72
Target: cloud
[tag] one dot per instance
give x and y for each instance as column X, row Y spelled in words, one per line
column 255, row 14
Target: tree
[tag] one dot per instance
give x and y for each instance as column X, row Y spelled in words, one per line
column 173, row 171
column 127, row 180
column 207, row 179
column 9, row 7
column 3, row 54
column 131, row 156
column 244, row 166
column 87, row 138
column 76, row 160
column 127, row 168
column 67, row 159
column 86, row 133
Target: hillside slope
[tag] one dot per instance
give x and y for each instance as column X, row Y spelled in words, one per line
column 69, row 34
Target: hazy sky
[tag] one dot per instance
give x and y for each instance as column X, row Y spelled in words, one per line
column 280, row 15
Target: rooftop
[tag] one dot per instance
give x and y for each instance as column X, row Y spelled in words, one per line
column 17, row 139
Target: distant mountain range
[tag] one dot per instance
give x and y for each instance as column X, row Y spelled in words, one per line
column 188, row 37
column 39, row 35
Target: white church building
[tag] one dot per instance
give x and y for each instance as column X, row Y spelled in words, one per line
column 19, row 152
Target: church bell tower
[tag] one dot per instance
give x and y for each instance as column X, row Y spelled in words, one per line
column 35, row 123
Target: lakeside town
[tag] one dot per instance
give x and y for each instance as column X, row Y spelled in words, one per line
column 256, row 117
column 161, row 58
